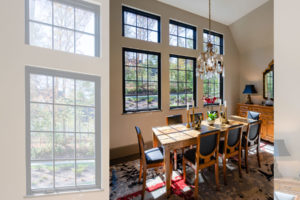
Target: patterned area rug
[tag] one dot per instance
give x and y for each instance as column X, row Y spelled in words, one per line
column 258, row 184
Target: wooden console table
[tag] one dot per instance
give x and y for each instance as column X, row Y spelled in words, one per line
column 267, row 117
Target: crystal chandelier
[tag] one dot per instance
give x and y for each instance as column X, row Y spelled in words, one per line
column 209, row 62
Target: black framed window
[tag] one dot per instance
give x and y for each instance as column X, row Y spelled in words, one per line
column 140, row 25
column 182, row 35
column 182, row 81
column 213, row 87
column 141, row 80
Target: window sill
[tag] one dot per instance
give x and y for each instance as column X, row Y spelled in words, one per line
column 182, row 108
column 37, row 195
column 141, row 112
column 215, row 104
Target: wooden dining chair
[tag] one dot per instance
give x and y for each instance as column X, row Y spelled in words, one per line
column 232, row 146
column 252, row 139
column 198, row 116
column 205, row 155
column 170, row 120
column 150, row 158
column 253, row 115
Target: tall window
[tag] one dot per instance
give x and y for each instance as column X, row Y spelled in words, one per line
column 213, row 87
column 182, row 81
column 141, row 80
column 141, row 25
column 63, row 131
column 182, row 35
column 65, row 25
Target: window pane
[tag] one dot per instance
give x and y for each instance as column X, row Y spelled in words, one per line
column 85, row 119
column 173, row 88
column 142, row 88
column 130, row 58
column 153, row 88
column 189, row 88
column 173, row 75
column 189, row 44
column 142, row 59
column 181, row 31
column 130, row 88
column 130, row 103
column 41, row 88
column 152, row 61
column 172, row 29
column 85, row 21
column 181, row 42
column 64, row 145
column 85, row 93
column 189, row 64
column 152, row 74
column 142, row 74
column 189, row 76
column 85, row 144
column 142, row 103
column 64, row 173
column 40, row 35
column 41, row 145
column 205, row 37
column 152, row 36
column 173, row 63
column 41, row 117
column 141, row 34
column 64, row 90
column 190, row 99
column 173, row 40
column 41, row 175
column 130, row 18
column 173, row 100
column 189, row 33
column 181, row 76
column 181, row 64
column 141, row 21
column 152, row 24
column 63, row 15
column 41, row 10
column 64, row 118
column 85, row 172
column 63, row 40
column 153, row 101
column 130, row 31
column 182, row 100
column 85, row 44
column 181, row 88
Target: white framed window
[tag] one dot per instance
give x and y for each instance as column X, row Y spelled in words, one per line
column 65, row 25
column 62, row 131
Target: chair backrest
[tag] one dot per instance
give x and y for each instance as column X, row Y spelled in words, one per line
column 254, row 130
column 140, row 140
column 208, row 143
column 174, row 119
column 234, row 135
column 198, row 116
column 253, row 115
column 213, row 111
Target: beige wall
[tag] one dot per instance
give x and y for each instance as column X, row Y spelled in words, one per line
column 254, row 37
column 14, row 56
column 122, row 125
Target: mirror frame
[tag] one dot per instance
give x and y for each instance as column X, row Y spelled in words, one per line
column 270, row 68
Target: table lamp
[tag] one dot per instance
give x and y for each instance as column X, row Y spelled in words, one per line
column 249, row 89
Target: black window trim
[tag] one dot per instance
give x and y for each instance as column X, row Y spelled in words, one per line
column 124, row 49
column 194, row 80
column 221, row 75
column 142, row 13
column 194, row 28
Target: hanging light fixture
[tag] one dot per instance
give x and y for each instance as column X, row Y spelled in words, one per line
column 210, row 63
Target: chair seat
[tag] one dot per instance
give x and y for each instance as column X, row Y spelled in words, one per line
column 191, row 156
column 154, row 155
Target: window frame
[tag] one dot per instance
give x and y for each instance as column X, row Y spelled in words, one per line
column 98, row 153
column 221, row 78
column 194, row 80
column 144, row 14
column 81, row 4
column 124, row 49
column 194, row 28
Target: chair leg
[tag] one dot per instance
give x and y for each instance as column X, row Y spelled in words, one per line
column 184, row 170
column 240, row 163
column 246, row 159
column 175, row 160
column 217, row 175
column 141, row 170
column 258, row 156
column 144, row 183
column 224, row 169
column 196, row 182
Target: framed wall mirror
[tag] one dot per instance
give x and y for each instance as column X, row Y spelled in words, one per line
column 268, row 82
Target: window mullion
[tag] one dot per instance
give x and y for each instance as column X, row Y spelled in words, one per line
column 75, row 134
column 53, row 129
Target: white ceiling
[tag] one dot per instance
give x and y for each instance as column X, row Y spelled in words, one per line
column 223, row 11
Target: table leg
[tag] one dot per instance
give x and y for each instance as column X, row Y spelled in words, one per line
column 154, row 139
column 168, row 174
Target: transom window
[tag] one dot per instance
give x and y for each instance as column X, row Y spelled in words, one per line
column 141, row 80
column 182, row 81
column 141, row 25
column 65, row 25
column 213, row 87
column 63, row 131
column 182, row 35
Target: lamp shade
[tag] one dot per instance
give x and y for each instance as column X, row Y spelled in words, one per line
column 249, row 89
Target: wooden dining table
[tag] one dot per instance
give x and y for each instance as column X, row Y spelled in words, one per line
column 179, row 136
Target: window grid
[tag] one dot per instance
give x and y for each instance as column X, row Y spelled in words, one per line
column 136, row 81
column 270, row 85
column 79, row 5
column 213, row 87
column 147, row 29
column 55, row 160
column 186, row 82
column 185, row 38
